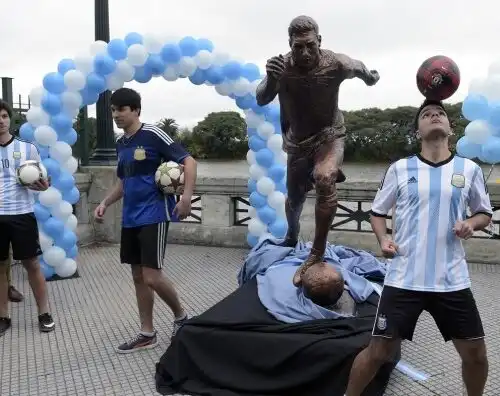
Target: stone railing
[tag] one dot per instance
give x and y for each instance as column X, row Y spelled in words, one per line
column 219, row 215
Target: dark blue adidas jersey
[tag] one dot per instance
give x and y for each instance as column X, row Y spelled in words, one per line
column 138, row 158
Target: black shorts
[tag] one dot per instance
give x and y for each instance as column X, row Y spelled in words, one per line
column 144, row 245
column 455, row 313
column 20, row 231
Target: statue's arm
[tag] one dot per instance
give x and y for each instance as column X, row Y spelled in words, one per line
column 267, row 91
column 353, row 68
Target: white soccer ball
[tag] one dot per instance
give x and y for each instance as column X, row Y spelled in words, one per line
column 169, row 177
column 30, row 172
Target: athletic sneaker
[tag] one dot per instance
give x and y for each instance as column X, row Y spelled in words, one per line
column 4, row 325
column 46, row 323
column 138, row 343
column 178, row 323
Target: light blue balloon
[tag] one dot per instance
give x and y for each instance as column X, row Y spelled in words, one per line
column 264, row 157
column 104, row 64
column 272, row 113
column 188, row 46
column 246, row 102
column 205, row 44
column 133, row 38
column 279, row 228
column 117, row 49
column 26, row 132
column 475, row 107
column 72, row 252
column 89, row 97
column 491, row 150
column 156, row 64
column 96, row 83
column 276, row 172
column 171, row 53
column 252, row 185
column 215, row 74
column 198, row 77
column 494, row 114
column 65, row 65
column 266, row 214
column 47, row 271
column 232, row 70
column 52, row 166
column 51, row 103
column 42, row 214
column 53, row 227
column 256, row 143
column 66, row 240
column 73, row 196
column 257, row 200
column 252, row 132
column 64, row 182
column 252, row 240
column 44, row 152
column 61, row 123
column 468, row 149
column 69, row 137
column 143, row 74
column 250, row 71
column 54, row 83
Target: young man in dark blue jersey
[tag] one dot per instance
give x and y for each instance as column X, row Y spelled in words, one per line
column 147, row 212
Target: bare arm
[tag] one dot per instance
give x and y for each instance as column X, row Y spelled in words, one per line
column 353, row 68
column 479, row 221
column 267, row 91
column 115, row 194
column 379, row 227
column 190, row 174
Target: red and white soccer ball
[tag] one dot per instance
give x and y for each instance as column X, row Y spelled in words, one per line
column 30, row 172
column 169, row 177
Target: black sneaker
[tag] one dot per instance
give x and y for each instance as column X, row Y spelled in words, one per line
column 4, row 325
column 138, row 343
column 46, row 323
column 178, row 323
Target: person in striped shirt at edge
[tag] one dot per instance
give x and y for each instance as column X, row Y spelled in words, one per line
column 18, row 225
column 430, row 193
column 147, row 212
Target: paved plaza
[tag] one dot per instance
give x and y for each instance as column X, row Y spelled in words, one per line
column 97, row 311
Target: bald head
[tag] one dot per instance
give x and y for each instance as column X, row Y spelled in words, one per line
column 323, row 284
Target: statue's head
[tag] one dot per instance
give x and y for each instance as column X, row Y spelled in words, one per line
column 305, row 41
column 323, row 284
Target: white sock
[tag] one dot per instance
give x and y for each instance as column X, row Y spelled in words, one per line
column 146, row 334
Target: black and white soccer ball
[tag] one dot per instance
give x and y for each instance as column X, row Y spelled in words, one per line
column 169, row 177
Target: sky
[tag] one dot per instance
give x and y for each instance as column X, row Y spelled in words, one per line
column 391, row 36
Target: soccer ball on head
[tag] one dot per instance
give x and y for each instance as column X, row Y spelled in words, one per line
column 438, row 78
column 30, row 172
column 169, row 177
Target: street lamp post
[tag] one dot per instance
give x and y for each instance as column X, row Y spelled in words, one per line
column 105, row 152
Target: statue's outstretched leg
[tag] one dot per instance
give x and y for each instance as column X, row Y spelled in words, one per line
column 327, row 173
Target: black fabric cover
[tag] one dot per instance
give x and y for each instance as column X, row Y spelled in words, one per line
column 237, row 348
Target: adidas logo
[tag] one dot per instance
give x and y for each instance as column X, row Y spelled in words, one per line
column 412, row 180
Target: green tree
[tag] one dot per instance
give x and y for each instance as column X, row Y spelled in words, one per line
column 169, row 126
column 221, row 135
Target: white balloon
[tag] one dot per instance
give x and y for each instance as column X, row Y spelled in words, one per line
column 36, row 95
column 46, row 242
column 224, row 88
column 492, row 88
column 114, row 82
column 137, row 55
column 240, row 87
column 265, row 130
column 72, row 222
column 478, row 131
column 220, row 58
column 276, row 200
column 265, row 186
column 60, row 151
column 255, row 227
column 171, row 72
column 62, row 211
column 98, row 47
column 275, row 143
column 251, row 157
column 125, row 70
column 37, row 117
column 54, row 256
column 50, row 197
column 256, row 171
column 253, row 87
column 252, row 212
column 66, row 269
column 204, row 59
column 74, row 80
column 252, row 119
column 187, row 66
column 152, row 43
column 84, row 63
column 282, row 158
column 71, row 100
column 494, row 68
column 45, row 135
column 71, row 165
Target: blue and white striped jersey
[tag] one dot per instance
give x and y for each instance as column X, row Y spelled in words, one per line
column 14, row 198
column 427, row 200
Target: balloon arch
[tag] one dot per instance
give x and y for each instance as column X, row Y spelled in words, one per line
column 105, row 66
